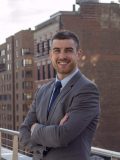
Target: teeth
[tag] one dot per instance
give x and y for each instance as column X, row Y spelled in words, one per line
column 62, row 62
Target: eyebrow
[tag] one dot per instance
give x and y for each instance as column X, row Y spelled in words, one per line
column 55, row 48
column 64, row 48
column 69, row 48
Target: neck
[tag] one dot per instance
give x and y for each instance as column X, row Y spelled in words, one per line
column 62, row 76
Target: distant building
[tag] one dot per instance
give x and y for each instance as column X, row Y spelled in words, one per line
column 16, row 78
column 98, row 26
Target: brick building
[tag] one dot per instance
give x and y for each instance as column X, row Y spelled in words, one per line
column 16, row 78
column 6, row 84
column 98, row 26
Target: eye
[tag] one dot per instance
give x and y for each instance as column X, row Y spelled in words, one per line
column 69, row 50
column 56, row 50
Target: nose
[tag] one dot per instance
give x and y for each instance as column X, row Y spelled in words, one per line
column 62, row 54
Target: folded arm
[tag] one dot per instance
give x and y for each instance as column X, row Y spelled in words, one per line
column 82, row 112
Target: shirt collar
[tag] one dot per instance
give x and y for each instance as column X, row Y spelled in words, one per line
column 66, row 79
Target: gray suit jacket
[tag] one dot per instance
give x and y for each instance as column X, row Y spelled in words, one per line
column 71, row 141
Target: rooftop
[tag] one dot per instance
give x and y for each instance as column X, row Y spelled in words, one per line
column 13, row 153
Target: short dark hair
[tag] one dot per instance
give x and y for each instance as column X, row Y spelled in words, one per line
column 65, row 34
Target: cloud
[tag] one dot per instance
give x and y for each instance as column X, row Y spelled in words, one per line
column 16, row 15
column 19, row 15
column 20, row 10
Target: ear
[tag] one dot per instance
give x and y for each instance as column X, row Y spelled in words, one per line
column 79, row 53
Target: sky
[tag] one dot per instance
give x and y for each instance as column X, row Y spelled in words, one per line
column 16, row 15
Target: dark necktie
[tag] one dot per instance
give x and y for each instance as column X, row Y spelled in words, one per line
column 58, row 86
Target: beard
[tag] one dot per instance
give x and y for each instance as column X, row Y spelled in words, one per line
column 65, row 69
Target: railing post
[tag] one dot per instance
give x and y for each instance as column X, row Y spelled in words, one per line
column 0, row 145
column 15, row 148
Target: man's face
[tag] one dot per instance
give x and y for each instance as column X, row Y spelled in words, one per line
column 64, row 56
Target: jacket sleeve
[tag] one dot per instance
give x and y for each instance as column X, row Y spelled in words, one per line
column 25, row 128
column 83, row 113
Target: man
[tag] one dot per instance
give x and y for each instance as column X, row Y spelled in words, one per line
column 63, row 129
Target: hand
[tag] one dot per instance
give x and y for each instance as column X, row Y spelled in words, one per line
column 27, row 150
column 32, row 127
column 64, row 119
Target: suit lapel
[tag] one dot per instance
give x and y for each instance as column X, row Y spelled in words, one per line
column 65, row 90
column 47, row 98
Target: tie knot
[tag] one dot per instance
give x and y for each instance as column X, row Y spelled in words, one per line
column 58, row 84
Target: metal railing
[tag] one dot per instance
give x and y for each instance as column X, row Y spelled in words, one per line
column 15, row 135
column 95, row 152
column 112, row 155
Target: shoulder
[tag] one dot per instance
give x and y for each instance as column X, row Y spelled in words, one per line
column 42, row 89
column 45, row 86
column 84, row 83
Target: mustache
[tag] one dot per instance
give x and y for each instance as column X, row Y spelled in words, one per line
column 63, row 59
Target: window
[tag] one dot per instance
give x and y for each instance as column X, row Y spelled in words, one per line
column 8, row 47
column 17, row 118
column 3, row 53
column 8, row 87
column 27, row 85
column 3, row 60
column 38, row 48
column 43, row 71
column 9, row 117
column 54, row 73
column 17, row 128
column 9, row 97
column 49, row 73
column 43, row 47
column 9, row 76
column 48, row 45
column 17, row 96
column 24, row 117
column 16, row 43
column 25, row 108
column 8, row 57
column 17, row 64
column 17, row 86
column 25, row 51
column 17, row 54
column 27, row 96
column 9, row 67
column 28, row 74
column 17, row 107
column 27, row 62
column 9, row 107
column 16, row 75
column 38, row 72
